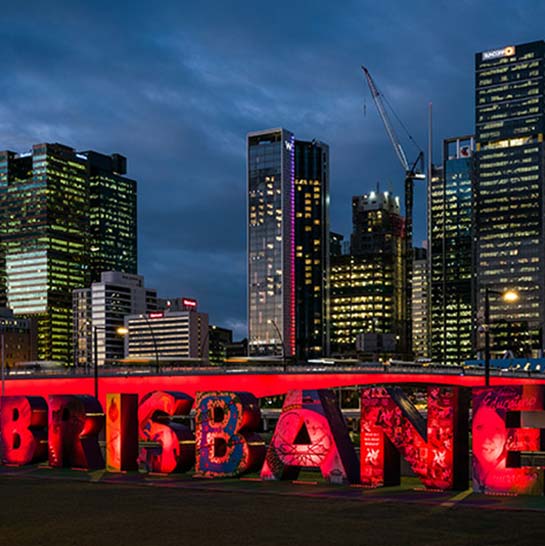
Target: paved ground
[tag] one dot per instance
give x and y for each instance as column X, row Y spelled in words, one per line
column 52, row 507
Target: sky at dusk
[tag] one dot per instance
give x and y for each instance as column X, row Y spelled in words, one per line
column 175, row 86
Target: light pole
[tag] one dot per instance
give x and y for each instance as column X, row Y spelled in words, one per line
column 148, row 323
column 120, row 331
column 508, row 296
column 273, row 322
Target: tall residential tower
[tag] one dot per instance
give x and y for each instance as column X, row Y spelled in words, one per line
column 288, row 244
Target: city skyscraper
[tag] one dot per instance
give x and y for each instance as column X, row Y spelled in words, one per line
column 420, row 304
column 451, row 242
column 288, row 244
column 509, row 192
column 56, row 227
column 102, row 307
column 367, row 294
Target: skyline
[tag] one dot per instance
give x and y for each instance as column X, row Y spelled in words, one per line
column 177, row 93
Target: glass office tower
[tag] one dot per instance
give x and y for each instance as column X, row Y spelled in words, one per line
column 510, row 241
column 367, row 294
column 112, row 217
column 288, row 244
column 46, row 241
column 451, row 228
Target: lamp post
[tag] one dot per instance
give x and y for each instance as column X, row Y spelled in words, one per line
column 282, row 345
column 508, row 296
column 95, row 356
column 148, row 323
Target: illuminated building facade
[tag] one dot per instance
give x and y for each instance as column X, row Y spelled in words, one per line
column 48, row 247
column 219, row 339
column 103, row 306
column 112, row 215
column 288, row 244
column 167, row 336
column 367, row 293
column 19, row 338
column 420, row 304
column 451, row 228
column 510, row 237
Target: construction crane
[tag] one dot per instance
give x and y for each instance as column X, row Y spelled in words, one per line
column 414, row 171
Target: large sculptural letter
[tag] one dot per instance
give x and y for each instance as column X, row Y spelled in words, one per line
column 121, row 432
column 174, row 444
column 437, row 451
column 226, row 444
column 311, row 433
column 499, row 441
column 74, row 424
column 23, row 432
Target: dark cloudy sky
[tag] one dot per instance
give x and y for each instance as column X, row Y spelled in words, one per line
column 176, row 85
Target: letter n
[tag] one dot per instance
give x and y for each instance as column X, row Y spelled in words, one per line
column 436, row 450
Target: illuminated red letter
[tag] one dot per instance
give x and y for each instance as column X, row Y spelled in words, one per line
column 174, row 448
column 311, row 432
column 23, row 434
column 226, row 444
column 74, row 424
column 121, row 432
column 500, row 464
column 437, row 451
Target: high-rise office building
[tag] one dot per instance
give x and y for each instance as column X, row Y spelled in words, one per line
column 47, row 244
column 420, row 304
column 451, row 235
column 167, row 336
column 509, row 192
column 367, row 293
column 288, row 244
column 112, row 215
column 100, row 310
column 219, row 339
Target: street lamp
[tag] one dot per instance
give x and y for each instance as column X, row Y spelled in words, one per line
column 283, row 346
column 145, row 317
column 120, row 331
column 123, row 331
column 508, row 296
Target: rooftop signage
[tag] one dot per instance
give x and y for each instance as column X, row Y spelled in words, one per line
column 508, row 51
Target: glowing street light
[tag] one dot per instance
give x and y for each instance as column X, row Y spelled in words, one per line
column 508, row 296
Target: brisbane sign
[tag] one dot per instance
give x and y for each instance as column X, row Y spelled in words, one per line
column 507, row 434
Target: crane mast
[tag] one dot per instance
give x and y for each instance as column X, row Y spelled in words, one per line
column 411, row 172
